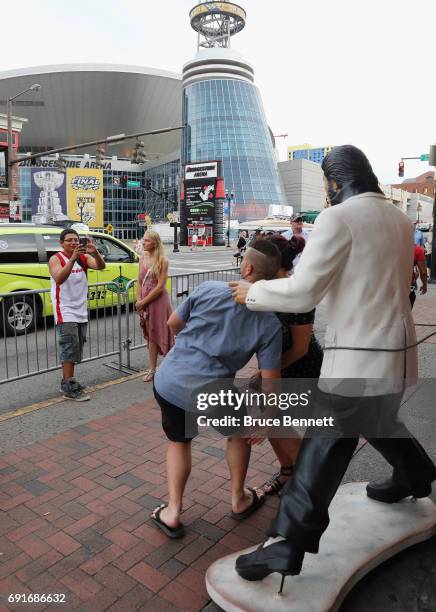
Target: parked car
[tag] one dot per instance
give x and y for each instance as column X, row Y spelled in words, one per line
column 24, row 253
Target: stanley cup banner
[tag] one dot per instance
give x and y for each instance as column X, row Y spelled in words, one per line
column 48, row 194
column 199, row 191
column 85, row 195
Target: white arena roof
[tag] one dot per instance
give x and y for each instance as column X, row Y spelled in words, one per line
column 84, row 102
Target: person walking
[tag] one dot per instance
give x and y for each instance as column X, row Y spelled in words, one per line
column 419, row 270
column 153, row 302
column 69, row 296
column 428, row 245
column 241, row 247
column 418, row 236
column 194, row 241
column 370, row 356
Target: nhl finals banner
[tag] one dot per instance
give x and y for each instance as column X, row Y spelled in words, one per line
column 85, row 195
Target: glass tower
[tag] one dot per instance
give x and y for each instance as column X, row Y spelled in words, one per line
column 224, row 116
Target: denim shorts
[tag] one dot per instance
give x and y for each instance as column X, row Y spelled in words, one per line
column 71, row 338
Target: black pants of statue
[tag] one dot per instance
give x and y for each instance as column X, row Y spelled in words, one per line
column 321, row 464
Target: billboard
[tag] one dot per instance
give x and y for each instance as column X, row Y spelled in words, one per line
column 48, row 195
column 85, row 195
column 200, row 191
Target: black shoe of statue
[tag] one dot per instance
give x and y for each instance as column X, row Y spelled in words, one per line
column 283, row 557
column 390, row 492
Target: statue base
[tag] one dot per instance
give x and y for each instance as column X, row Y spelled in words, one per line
column 362, row 534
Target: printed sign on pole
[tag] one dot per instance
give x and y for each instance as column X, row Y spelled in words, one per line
column 85, row 195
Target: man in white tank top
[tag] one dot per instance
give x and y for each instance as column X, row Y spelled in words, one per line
column 69, row 296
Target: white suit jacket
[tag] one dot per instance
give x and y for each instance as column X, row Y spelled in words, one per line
column 359, row 259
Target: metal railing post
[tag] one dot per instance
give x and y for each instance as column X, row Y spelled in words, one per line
column 128, row 340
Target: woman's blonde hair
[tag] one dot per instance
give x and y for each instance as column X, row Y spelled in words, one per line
column 158, row 254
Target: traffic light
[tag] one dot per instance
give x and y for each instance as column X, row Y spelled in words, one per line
column 138, row 154
column 124, row 180
column 100, row 156
column 148, row 184
column 61, row 164
column 401, row 168
column 133, row 157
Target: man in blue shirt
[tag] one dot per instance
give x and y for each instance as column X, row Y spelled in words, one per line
column 215, row 339
column 419, row 236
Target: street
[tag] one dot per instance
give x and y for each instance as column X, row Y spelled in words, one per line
column 38, row 350
column 188, row 262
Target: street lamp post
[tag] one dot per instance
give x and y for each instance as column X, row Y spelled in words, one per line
column 229, row 198
column 81, row 206
column 9, row 101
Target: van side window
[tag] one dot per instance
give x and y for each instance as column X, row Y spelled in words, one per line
column 111, row 251
column 18, row 249
column 51, row 244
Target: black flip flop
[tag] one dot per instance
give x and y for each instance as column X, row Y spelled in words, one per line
column 171, row 532
column 255, row 505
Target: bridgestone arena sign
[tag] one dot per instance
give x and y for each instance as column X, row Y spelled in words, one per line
column 201, row 171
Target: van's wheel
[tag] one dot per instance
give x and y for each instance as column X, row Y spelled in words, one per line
column 18, row 315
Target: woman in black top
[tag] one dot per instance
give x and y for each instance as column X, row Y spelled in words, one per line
column 242, row 243
column 301, row 358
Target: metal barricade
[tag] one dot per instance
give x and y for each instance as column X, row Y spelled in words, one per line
column 28, row 336
column 179, row 286
column 28, row 343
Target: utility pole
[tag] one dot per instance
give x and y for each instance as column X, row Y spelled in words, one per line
column 229, row 198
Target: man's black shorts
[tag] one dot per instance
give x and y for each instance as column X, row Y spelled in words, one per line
column 181, row 426
column 175, row 420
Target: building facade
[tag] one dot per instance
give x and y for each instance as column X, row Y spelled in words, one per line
column 306, row 151
column 302, row 184
column 215, row 100
column 224, row 116
column 126, row 197
column 9, row 175
column 425, row 184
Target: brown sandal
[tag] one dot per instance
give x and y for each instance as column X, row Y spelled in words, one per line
column 149, row 375
column 273, row 485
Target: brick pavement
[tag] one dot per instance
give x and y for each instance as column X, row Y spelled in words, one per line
column 75, row 514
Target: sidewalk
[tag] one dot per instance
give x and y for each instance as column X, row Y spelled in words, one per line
column 75, row 518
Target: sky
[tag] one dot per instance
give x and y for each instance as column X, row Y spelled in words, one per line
column 330, row 72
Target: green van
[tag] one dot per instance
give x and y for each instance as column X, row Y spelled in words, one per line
column 24, row 252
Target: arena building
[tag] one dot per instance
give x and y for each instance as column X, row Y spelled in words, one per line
column 215, row 99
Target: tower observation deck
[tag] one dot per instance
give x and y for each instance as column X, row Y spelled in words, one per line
column 216, row 22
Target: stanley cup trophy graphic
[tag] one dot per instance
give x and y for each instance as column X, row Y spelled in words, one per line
column 49, row 204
